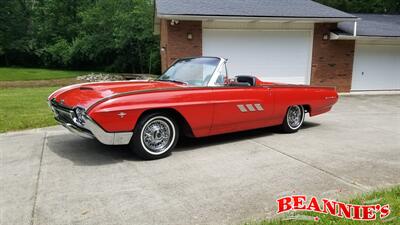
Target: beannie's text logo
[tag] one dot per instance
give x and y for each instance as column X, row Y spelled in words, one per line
column 334, row 208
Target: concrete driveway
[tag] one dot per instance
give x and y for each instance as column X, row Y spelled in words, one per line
column 49, row 176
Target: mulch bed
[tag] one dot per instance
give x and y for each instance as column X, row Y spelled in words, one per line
column 39, row 83
column 68, row 81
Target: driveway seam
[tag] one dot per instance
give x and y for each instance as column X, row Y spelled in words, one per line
column 343, row 180
column 37, row 180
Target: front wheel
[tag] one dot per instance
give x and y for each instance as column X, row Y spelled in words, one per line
column 155, row 136
column 294, row 119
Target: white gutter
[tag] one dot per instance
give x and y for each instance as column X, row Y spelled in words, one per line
column 355, row 29
column 334, row 36
column 302, row 19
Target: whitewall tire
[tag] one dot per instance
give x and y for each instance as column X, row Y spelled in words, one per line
column 294, row 119
column 155, row 135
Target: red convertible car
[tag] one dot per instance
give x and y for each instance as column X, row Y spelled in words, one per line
column 194, row 97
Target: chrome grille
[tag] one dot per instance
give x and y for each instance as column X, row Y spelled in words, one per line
column 62, row 113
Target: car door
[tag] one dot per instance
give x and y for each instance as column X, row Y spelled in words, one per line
column 240, row 108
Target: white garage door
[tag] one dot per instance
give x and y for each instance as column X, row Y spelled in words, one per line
column 376, row 67
column 277, row 56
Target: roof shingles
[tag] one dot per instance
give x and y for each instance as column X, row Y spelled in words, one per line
column 249, row 8
column 379, row 25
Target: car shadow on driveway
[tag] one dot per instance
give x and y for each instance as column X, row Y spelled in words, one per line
column 89, row 152
column 188, row 144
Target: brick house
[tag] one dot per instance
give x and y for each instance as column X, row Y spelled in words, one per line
column 292, row 41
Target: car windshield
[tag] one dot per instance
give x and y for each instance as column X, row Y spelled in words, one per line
column 192, row 71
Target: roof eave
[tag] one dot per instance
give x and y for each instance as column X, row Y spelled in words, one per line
column 260, row 18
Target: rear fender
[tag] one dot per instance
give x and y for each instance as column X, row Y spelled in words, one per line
column 314, row 99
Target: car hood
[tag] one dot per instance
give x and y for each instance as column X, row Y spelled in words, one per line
column 84, row 95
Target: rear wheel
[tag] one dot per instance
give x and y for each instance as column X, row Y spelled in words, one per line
column 294, row 119
column 155, row 136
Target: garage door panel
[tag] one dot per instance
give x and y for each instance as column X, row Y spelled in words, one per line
column 376, row 67
column 279, row 56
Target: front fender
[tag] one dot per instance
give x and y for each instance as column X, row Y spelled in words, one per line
column 121, row 114
column 120, row 119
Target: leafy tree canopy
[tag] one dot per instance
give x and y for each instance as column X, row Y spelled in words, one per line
column 111, row 35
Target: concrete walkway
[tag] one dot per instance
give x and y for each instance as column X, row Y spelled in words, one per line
column 49, row 176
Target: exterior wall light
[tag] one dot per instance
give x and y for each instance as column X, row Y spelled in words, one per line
column 174, row 22
column 189, row 36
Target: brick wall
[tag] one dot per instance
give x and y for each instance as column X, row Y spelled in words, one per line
column 175, row 42
column 332, row 61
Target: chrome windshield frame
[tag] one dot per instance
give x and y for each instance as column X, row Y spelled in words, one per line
column 214, row 77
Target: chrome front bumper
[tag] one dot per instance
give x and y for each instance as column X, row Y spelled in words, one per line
column 90, row 129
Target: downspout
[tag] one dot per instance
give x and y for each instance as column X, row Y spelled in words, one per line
column 355, row 29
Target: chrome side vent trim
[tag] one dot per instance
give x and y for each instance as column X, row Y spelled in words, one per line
column 242, row 108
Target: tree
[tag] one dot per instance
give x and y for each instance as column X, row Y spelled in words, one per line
column 114, row 35
column 15, row 30
column 123, row 29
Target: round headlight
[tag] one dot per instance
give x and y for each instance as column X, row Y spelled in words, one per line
column 80, row 115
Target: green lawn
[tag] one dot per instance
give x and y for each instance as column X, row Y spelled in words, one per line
column 17, row 74
column 23, row 108
column 389, row 196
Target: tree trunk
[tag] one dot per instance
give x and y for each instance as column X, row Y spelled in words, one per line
column 151, row 54
column 140, row 57
column 6, row 59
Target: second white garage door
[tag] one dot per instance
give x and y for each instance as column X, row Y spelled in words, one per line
column 277, row 56
column 376, row 67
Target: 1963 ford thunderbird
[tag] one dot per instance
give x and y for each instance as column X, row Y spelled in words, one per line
column 194, row 97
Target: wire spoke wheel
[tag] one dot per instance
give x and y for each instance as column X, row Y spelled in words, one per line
column 294, row 118
column 157, row 135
